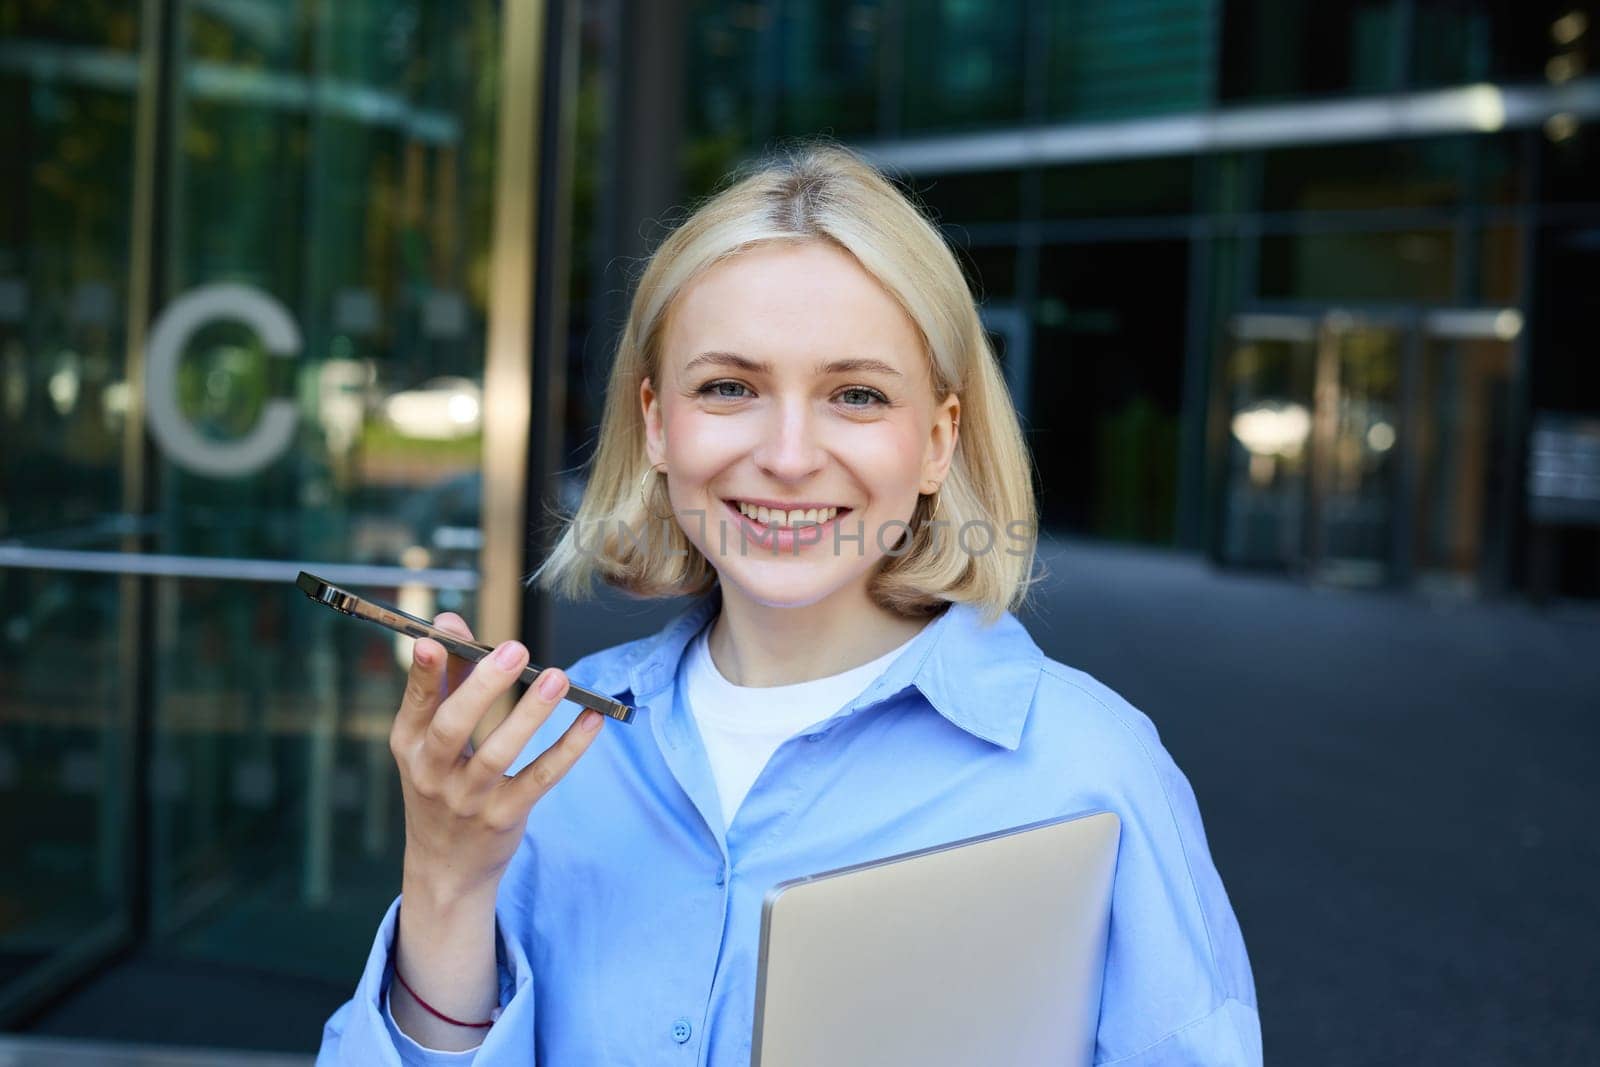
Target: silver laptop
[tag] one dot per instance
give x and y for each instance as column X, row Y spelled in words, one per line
column 985, row 951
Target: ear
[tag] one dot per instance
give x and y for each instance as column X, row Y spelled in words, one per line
column 655, row 435
column 941, row 450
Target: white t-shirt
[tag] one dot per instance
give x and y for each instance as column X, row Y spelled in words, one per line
column 742, row 726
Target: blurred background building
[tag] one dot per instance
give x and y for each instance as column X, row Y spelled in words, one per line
column 1289, row 286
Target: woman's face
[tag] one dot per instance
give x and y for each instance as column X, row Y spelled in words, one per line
column 791, row 380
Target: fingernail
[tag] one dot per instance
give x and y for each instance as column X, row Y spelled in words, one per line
column 508, row 655
column 550, row 685
column 590, row 722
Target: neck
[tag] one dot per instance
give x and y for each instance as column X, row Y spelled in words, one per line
column 760, row 645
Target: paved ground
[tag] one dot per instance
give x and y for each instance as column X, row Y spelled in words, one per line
column 1400, row 797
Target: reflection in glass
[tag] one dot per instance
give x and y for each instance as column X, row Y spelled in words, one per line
column 1360, row 265
column 1461, row 433
column 64, row 747
column 1109, row 58
column 1353, row 450
column 730, row 86
column 971, row 197
column 1457, row 42
column 64, row 246
column 277, row 818
column 831, row 55
column 1281, row 49
column 1136, row 188
column 1570, row 159
column 1107, row 381
column 1499, row 277
column 335, row 162
column 1440, row 172
column 1364, row 176
column 1268, row 397
column 384, row 279
column 961, row 67
column 990, row 270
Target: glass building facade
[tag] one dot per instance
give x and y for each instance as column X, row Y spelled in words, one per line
column 1287, row 283
column 244, row 259
column 1303, row 287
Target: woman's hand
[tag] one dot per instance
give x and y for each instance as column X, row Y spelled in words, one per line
column 464, row 817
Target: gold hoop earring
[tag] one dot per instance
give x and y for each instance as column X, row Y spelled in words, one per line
column 644, row 495
column 933, row 510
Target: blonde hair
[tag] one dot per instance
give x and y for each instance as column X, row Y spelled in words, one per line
column 816, row 191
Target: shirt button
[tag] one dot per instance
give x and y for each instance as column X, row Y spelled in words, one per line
column 720, row 878
column 681, row 1031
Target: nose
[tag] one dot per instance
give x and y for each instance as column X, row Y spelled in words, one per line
column 790, row 449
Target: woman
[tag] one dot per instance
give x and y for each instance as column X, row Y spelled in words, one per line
column 806, row 429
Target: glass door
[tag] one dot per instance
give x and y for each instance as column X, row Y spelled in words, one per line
column 1465, row 379
column 1368, row 446
column 331, row 175
column 66, row 747
column 1313, row 420
column 1355, row 431
column 1269, row 399
column 243, row 330
column 68, row 664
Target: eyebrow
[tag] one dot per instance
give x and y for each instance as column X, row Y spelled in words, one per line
column 854, row 365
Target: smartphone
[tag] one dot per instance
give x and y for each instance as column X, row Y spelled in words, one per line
column 340, row 600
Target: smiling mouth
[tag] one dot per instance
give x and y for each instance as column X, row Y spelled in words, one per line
column 786, row 519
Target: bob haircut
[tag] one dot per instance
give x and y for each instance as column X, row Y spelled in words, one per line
column 981, row 550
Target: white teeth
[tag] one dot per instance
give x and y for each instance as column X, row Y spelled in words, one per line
column 778, row 517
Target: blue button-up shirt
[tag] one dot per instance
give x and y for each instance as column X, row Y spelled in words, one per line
column 629, row 917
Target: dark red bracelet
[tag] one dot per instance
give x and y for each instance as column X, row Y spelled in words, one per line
column 431, row 1010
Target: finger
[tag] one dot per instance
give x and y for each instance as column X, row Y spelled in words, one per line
column 451, row 726
column 457, row 669
column 422, row 693
column 540, row 776
column 500, row 749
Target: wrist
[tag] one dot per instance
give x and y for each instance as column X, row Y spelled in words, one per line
column 446, row 895
column 445, row 988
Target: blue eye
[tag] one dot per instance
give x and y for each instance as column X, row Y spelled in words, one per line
column 727, row 389
column 715, row 388
column 872, row 395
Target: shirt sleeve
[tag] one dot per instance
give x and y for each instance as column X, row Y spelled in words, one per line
column 1178, row 987
column 362, row 1032
column 1231, row 1034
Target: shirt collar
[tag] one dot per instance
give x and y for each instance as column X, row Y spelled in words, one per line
column 981, row 677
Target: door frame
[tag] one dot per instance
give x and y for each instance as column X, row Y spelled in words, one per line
column 1416, row 325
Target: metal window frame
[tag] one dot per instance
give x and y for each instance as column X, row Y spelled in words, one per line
column 508, row 379
column 1485, row 108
